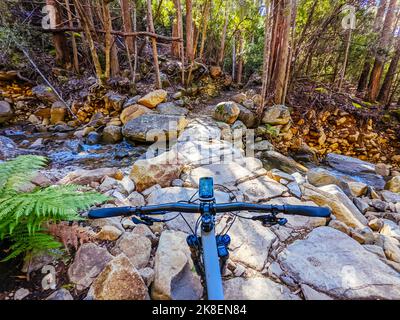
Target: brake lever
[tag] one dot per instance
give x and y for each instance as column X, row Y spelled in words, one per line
column 270, row 220
column 149, row 221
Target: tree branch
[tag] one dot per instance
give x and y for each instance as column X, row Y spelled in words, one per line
column 119, row 33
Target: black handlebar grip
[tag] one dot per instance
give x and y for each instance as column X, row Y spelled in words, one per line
column 110, row 212
column 308, row 211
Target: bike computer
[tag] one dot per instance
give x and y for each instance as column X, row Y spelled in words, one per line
column 206, row 189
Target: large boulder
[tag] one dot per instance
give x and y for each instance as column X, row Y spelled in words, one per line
column 227, row 174
column 335, row 264
column 273, row 159
column 261, row 189
column 226, row 112
column 171, row 108
column 250, row 243
column 161, row 170
column 342, row 207
column 58, row 112
column 200, row 152
column 132, row 112
column 114, row 101
column 119, row 280
column 8, row 149
column 389, row 196
column 276, row 115
column 136, row 247
column 154, row 127
column 154, row 98
column 85, row 177
column 393, row 185
column 321, row 177
column 112, row 134
column 200, row 130
column 89, row 261
column 44, row 94
column 365, row 171
column 248, row 117
column 5, row 111
column 257, row 288
column 175, row 277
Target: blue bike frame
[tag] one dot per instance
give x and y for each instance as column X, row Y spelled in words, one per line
column 212, row 269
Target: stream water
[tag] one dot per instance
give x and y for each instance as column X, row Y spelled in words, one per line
column 67, row 152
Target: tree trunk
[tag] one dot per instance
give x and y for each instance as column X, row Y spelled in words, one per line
column 87, row 26
column 115, row 70
column 127, row 23
column 266, row 58
column 108, row 39
column 240, row 58
column 59, row 39
column 285, row 14
column 178, row 8
column 204, row 31
column 381, row 54
column 135, row 47
column 175, row 50
column 189, row 31
column 299, row 44
column 154, row 44
column 73, row 40
column 363, row 81
column 223, row 37
column 346, row 58
column 387, row 82
column 234, row 58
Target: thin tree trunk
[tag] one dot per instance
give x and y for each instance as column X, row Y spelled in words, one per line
column 107, row 38
column 234, row 58
column 346, row 58
column 299, row 44
column 88, row 27
column 240, row 58
column 205, row 23
column 387, row 82
column 282, row 60
column 291, row 61
column 59, row 39
column 115, row 70
column 196, row 34
column 178, row 8
column 380, row 57
column 135, row 47
column 175, row 50
column 154, row 44
column 266, row 58
column 366, row 70
column 189, row 31
column 73, row 40
column 223, row 37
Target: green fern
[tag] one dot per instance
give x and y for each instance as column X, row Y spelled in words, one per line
column 24, row 215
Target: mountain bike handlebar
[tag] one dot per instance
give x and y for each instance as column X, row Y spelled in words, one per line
column 217, row 208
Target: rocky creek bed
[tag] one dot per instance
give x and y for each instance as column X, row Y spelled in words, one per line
column 353, row 255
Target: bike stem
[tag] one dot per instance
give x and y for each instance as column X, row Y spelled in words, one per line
column 212, row 268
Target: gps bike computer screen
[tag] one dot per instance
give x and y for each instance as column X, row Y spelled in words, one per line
column 206, row 188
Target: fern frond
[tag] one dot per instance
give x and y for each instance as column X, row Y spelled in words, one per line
column 23, row 215
column 24, row 242
column 52, row 204
column 15, row 173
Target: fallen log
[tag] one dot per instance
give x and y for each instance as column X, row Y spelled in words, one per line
column 118, row 33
